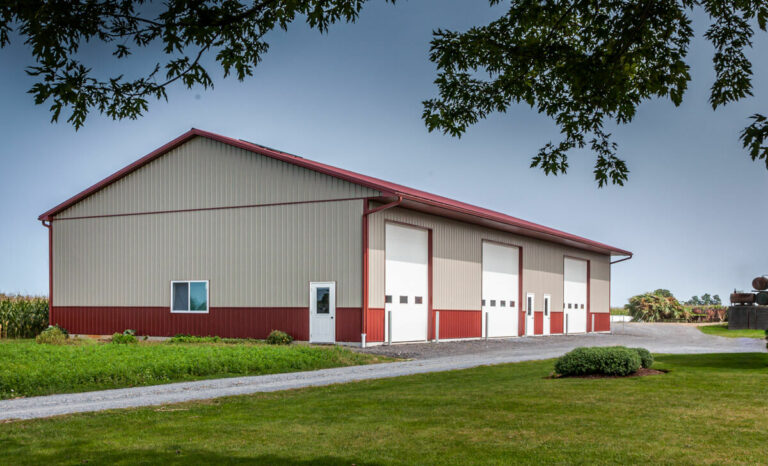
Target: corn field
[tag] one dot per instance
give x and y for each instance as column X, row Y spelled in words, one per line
column 22, row 316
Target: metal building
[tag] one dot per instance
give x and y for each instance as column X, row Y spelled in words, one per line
column 210, row 235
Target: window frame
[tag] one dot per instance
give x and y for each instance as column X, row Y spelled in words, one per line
column 189, row 294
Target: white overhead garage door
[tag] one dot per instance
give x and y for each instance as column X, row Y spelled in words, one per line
column 575, row 295
column 407, row 282
column 500, row 294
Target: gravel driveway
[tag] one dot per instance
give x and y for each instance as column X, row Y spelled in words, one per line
column 659, row 338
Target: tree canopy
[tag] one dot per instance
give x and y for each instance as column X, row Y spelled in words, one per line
column 587, row 64
column 590, row 63
column 186, row 31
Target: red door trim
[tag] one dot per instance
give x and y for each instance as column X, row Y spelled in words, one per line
column 430, row 314
column 519, row 276
column 366, row 212
column 520, row 328
column 589, row 280
column 431, row 321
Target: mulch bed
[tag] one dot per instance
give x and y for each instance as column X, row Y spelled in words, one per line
column 642, row 372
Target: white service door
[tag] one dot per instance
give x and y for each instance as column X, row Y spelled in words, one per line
column 406, row 282
column 547, row 311
column 322, row 312
column 530, row 306
column 501, row 265
column 575, row 295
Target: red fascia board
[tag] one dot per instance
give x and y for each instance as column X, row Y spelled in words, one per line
column 386, row 188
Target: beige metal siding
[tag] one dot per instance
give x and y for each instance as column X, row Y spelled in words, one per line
column 204, row 173
column 253, row 257
column 600, row 284
column 457, row 267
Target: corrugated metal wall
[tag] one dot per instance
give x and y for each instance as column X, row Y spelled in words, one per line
column 375, row 324
column 348, row 324
column 556, row 322
column 461, row 324
column 457, row 269
column 237, row 322
column 204, row 173
column 253, row 257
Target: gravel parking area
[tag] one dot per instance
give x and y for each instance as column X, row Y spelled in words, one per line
column 658, row 338
column 426, row 357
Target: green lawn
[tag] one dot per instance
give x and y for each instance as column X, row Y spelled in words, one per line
column 619, row 311
column 27, row 368
column 707, row 409
column 721, row 330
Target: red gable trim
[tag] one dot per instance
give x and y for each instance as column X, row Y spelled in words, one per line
column 385, row 187
column 322, row 168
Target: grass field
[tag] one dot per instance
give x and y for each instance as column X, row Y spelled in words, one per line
column 706, row 409
column 721, row 330
column 27, row 368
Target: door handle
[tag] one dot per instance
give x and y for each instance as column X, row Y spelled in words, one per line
column 331, row 317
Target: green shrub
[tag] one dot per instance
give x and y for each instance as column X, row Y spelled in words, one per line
column 650, row 307
column 646, row 358
column 276, row 337
column 181, row 338
column 611, row 360
column 125, row 338
column 22, row 316
column 53, row 335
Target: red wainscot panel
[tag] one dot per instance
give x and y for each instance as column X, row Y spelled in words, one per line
column 229, row 322
column 348, row 322
column 602, row 321
column 556, row 322
column 460, row 324
column 374, row 331
column 538, row 322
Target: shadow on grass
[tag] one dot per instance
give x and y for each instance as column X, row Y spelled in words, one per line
column 719, row 361
column 81, row 453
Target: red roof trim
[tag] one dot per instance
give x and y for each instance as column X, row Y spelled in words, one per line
column 387, row 188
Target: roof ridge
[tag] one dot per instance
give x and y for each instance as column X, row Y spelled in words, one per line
column 387, row 188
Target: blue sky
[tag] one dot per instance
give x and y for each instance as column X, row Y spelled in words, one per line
column 352, row 98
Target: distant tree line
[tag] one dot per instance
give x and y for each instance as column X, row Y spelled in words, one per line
column 705, row 300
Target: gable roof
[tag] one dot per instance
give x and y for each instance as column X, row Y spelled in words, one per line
column 387, row 189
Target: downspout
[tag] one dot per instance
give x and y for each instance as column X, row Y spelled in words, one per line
column 610, row 283
column 366, row 212
column 49, row 226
